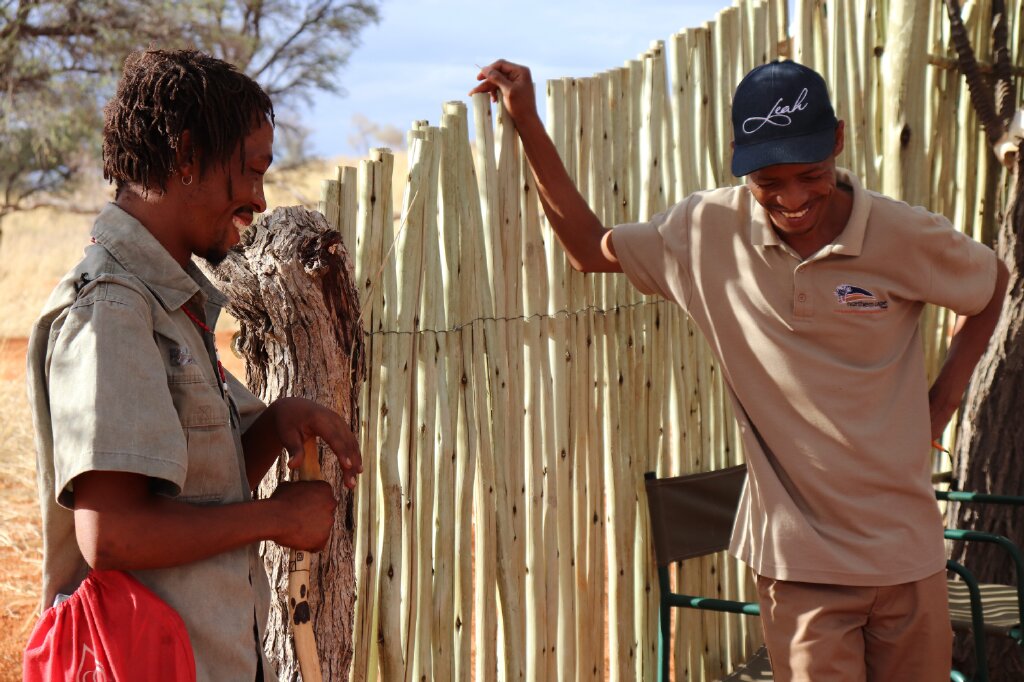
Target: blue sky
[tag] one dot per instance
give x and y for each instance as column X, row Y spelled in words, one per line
column 423, row 53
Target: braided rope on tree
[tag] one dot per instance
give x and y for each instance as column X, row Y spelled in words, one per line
column 981, row 94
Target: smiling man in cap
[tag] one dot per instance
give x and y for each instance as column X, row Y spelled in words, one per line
column 809, row 289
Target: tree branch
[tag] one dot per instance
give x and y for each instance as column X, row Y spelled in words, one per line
column 981, row 96
column 283, row 46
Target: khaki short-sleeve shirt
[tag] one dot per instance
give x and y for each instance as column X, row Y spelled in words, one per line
column 823, row 358
column 121, row 379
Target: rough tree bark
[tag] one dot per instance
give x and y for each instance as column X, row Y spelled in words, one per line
column 988, row 451
column 291, row 289
column 989, row 455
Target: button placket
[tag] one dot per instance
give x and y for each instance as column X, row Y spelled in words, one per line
column 803, row 305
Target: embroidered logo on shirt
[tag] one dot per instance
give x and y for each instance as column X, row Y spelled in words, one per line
column 181, row 356
column 856, row 299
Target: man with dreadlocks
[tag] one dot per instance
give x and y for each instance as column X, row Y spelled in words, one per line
column 147, row 449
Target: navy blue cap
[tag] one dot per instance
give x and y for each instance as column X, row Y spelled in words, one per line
column 781, row 113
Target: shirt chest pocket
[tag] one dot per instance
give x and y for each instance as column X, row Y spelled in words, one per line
column 214, row 472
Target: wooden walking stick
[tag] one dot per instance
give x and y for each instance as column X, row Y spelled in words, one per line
column 298, row 584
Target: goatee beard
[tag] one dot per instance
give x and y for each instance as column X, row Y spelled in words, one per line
column 214, row 257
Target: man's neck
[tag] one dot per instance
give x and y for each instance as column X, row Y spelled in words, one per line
column 150, row 210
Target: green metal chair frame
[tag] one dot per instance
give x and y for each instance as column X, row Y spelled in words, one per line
column 992, row 609
column 708, row 502
column 977, row 624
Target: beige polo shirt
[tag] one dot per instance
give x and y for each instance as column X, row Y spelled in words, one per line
column 824, row 362
column 120, row 379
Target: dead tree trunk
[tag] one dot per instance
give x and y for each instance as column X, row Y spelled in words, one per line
column 991, row 437
column 291, row 289
column 989, row 456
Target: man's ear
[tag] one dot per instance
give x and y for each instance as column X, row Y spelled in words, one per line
column 185, row 156
column 840, row 137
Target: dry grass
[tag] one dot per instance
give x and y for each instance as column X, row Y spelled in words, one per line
column 20, row 539
column 36, row 250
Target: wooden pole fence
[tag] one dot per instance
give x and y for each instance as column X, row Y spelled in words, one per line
column 511, row 404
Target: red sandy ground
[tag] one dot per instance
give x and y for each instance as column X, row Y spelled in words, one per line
column 18, row 573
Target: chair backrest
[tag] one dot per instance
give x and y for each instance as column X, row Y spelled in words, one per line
column 693, row 515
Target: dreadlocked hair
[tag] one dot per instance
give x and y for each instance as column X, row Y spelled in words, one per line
column 163, row 93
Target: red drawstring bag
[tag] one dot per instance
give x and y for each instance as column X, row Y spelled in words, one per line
column 112, row 628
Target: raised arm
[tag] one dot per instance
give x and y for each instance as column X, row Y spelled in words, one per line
column 586, row 241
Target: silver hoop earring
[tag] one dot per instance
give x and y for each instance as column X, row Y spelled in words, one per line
column 186, row 182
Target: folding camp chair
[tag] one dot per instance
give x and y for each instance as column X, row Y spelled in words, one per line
column 985, row 609
column 692, row 516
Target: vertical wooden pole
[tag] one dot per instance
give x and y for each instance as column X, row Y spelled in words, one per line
column 703, row 106
column 330, row 202
column 347, row 196
column 680, row 68
column 600, row 418
column 726, row 64
column 872, row 95
column 810, row 46
column 463, row 190
column 636, row 447
column 451, row 405
column 902, row 65
column 577, row 354
column 663, row 92
column 541, row 547
column 398, row 448
column 412, row 217
column 620, row 508
column 781, row 26
column 756, row 30
column 375, row 277
column 652, row 386
column 510, row 465
column 489, row 429
column 775, row 36
column 366, row 493
column 558, row 128
column 633, row 124
column 846, row 79
column 652, row 193
column 432, row 399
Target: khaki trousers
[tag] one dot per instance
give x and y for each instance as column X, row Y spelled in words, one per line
column 838, row 633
